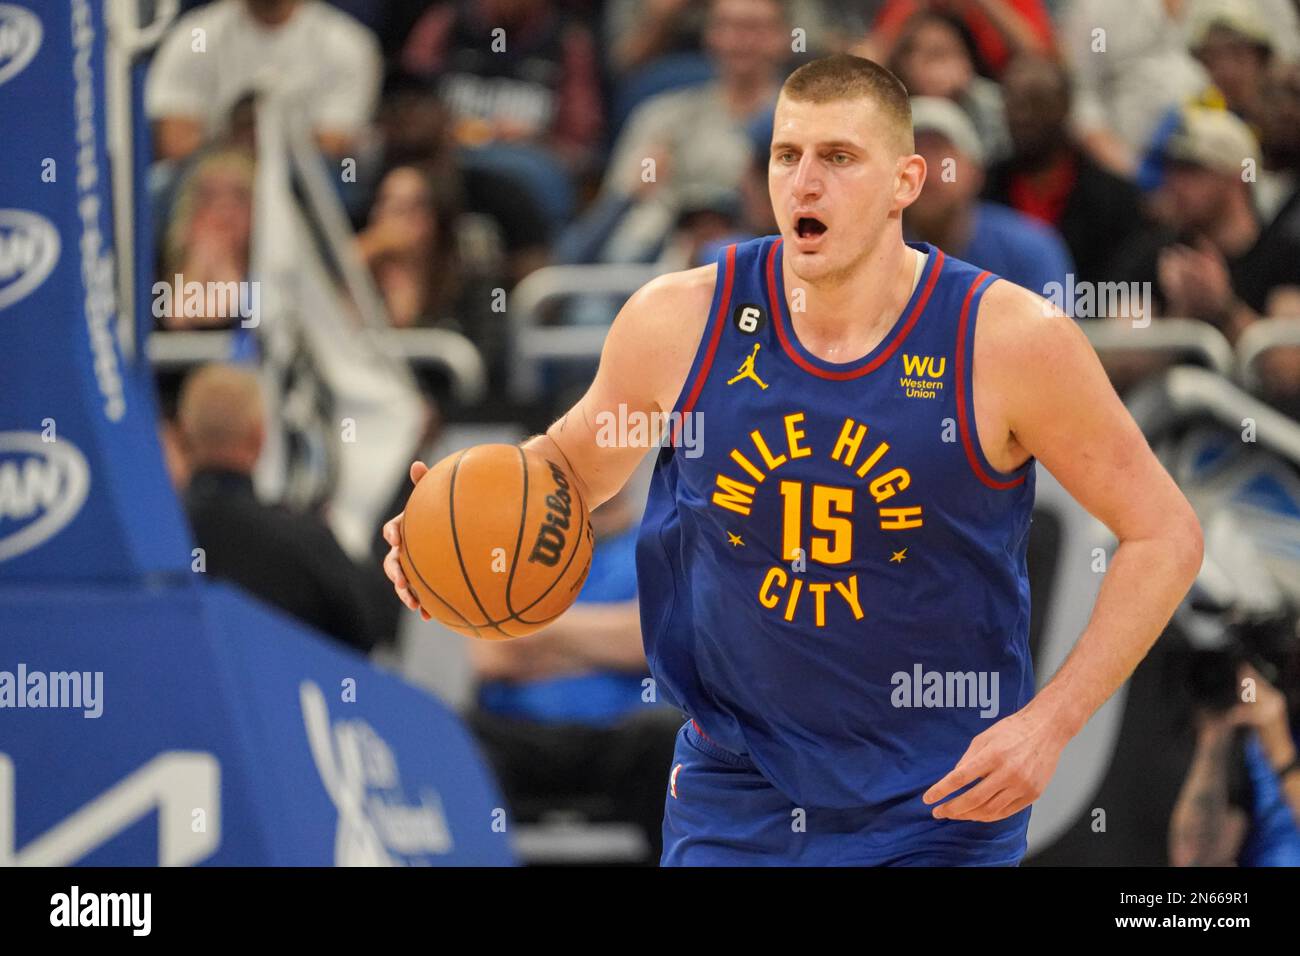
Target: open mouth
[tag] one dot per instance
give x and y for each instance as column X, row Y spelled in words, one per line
column 808, row 227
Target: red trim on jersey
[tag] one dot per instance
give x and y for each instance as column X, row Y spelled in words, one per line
column 778, row 307
column 962, row 415
column 700, row 730
column 715, row 335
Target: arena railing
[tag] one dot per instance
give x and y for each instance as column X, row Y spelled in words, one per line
column 532, row 343
column 130, row 40
column 1187, row 392
column 448, row 352
column 1191, row 338
column 1260, row 338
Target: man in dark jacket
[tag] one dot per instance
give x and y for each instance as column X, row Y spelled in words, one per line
column 1050, row 178
column 289, row 560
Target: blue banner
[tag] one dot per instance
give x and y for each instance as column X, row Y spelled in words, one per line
column 148, row 716
column 187, row 726
column 83, row 492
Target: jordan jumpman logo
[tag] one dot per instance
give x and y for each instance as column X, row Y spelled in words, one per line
column 746, row 370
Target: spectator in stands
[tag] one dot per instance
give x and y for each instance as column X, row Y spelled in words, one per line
column 522, row 84
column 567, row 715
column 758, row 218
column 1215, row 263
column 687, row 139
column 1277, row 191
column 754, row 215
column 1130, row 65
column 706, row 217
column 504, row 231
column 419, row 249
column 1213, row 260
column 1277, row 201
column 950, row 215
column 1000, row 28
column 935, row 56
column 638, row 33
column 207, row 240
column 409, row 245
column 291, row 561
column 219, row 53
column 1235, row 46
column 1051, row 178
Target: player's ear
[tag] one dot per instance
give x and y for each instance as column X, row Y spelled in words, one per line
column 909, row 178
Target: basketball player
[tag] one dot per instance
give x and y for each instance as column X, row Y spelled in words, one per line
column 834, row 590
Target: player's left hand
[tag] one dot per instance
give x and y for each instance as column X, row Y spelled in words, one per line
column 1012, row 760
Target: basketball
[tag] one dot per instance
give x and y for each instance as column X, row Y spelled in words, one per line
column 496, row 541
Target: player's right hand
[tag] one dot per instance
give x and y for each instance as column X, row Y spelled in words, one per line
column 393, row 535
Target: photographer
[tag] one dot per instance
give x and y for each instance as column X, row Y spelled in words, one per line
column 1240, row 803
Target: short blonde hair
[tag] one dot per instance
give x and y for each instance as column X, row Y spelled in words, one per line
column 844, row 76
column 220, row 408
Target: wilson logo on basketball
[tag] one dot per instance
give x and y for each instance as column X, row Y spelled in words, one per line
column 549, row 545
column 505, row 501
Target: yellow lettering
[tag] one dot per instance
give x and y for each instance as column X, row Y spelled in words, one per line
column 772, row 463
column 890, row 484
column 870, row 463
column 734, row 495
column 794, row 598
column 838, row 548
column 899, row 519
column 748, row 465
column 821, row 590
column 792, row 495
column 765, row 597
column 849, row 446
column 850, row 594
column 793, row 435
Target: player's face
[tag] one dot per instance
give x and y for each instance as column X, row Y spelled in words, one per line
column 834, row 179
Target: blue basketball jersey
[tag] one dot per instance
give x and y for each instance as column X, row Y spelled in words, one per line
column 832, row 575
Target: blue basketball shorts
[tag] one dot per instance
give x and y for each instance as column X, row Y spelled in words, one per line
column 721, row 811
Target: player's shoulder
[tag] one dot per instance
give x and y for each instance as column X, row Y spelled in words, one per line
column 683, row 287
column 1021, row 335
column 675, row 302
column 1009, row 311
column 658, row 331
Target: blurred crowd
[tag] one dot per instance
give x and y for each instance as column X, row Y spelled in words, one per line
column 1069, row 142
column 1145, row 141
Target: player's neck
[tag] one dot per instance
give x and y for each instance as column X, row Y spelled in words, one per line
column 854, row 312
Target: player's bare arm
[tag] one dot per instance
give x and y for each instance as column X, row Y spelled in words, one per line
column 1040, row 389
column 644, row 362
column 643, row 365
